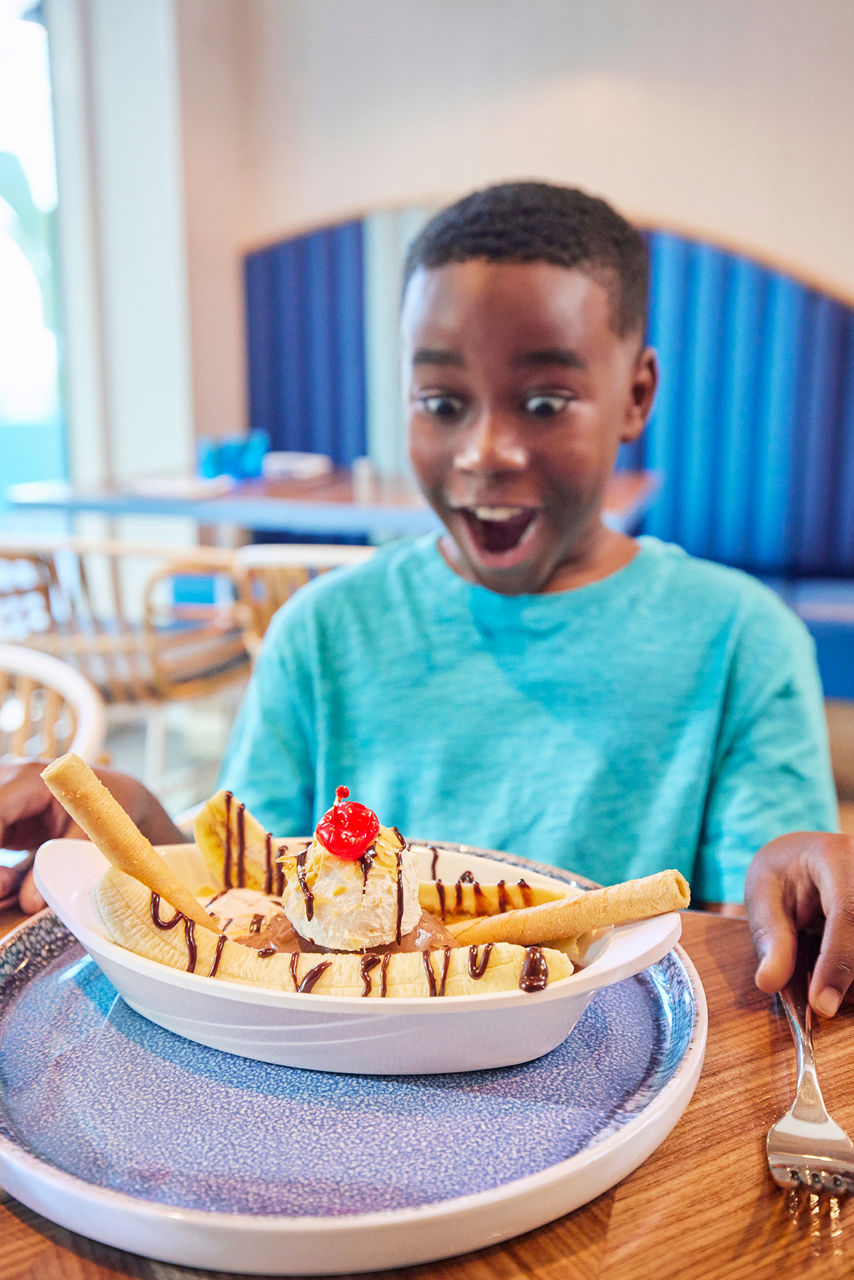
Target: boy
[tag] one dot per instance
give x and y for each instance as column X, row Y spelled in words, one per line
column 531, row 679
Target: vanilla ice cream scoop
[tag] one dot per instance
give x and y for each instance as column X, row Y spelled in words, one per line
column 356, row 885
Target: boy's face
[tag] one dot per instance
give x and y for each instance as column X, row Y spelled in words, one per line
column 518, row 395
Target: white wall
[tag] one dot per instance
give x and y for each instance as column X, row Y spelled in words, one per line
column 732, row 117
column 218, row 125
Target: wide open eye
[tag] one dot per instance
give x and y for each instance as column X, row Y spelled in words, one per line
column 546, row 404
column 441, row 405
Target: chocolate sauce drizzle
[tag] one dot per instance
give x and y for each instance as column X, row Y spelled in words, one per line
column 189, row 928
column 366, row 964
column 220, row 943
column 274, row 876
column 308, row 982
column 306, row 891
column 156, row 917
column 399, row 921
column 434, row 861
column 504, row 902
column 365, row 863
column 226, row 856
column 535, row 970
column 428, row 969
column 477, row 964
column 446, row 960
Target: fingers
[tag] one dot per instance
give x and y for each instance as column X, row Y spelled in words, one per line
column 775, row 937
column 801, row 881
column 834, row 968
column 29, row 898
column 11, row 881
column 28, row 813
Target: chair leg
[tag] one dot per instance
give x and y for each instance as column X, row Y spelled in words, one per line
column 154, row 760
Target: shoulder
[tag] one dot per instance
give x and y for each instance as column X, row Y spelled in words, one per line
column 711, row 588
column 382, row 580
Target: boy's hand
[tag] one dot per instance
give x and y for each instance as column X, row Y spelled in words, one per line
column 796, row 882
column 30, row 815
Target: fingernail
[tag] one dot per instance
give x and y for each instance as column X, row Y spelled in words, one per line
column 827, row 1002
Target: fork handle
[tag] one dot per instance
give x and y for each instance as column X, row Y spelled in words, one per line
column 808, row 1104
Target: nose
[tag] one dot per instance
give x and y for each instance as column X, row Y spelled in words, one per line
column 491, row 445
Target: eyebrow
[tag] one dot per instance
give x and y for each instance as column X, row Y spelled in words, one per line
column 550, row 355
column 540, row 357
column 438, row 355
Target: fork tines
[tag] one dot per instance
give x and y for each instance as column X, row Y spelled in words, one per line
column 817, row 1175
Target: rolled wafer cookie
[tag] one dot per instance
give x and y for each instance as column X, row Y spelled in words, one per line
column 553, row 921
column 82, row 794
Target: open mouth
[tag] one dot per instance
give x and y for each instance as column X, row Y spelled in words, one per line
column 498, row 530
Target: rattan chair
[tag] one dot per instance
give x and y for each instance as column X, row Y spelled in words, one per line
column 148, row 625
column 47, row 708
column 268, row 574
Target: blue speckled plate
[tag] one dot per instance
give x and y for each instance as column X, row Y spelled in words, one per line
column 150, row 1142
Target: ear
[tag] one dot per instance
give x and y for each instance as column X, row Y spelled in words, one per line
column 644, row 381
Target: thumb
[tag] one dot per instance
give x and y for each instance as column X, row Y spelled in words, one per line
column 775, row 937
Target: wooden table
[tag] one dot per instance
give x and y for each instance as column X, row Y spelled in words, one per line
column 332, row 505
column 703, row 1205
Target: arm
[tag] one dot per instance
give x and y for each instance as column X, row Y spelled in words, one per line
column 30, row 815
column 771, row 773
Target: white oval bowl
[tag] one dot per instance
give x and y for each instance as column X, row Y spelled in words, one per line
column 350, row 1034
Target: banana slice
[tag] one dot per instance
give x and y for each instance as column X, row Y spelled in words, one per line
column 123, row 906
column 238, row 852
column 463, row 899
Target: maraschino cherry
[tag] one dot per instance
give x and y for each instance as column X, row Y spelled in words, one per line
column 348, row 829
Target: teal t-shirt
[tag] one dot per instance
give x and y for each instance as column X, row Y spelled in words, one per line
column 669, row 715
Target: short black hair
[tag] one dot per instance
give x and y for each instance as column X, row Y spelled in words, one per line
column 539, row 222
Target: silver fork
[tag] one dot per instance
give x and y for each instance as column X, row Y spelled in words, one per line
column 805, row 1147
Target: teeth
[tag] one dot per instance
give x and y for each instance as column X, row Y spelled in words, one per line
column 497, row 513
